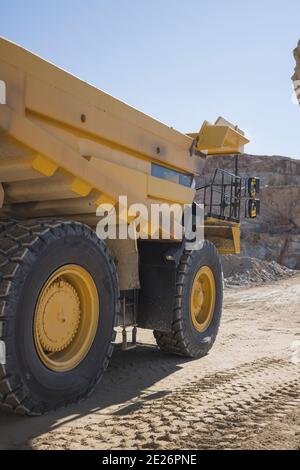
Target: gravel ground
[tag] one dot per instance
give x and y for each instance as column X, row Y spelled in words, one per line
column 244, row 395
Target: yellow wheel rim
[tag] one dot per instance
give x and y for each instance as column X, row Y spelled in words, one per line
column 66, row 318
column 203, row 298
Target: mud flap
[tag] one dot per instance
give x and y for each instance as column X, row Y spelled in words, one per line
column 158, row 264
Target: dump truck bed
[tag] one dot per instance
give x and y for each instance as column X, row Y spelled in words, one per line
column 66, row 146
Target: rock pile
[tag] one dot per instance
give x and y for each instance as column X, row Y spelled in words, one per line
column 244, row 271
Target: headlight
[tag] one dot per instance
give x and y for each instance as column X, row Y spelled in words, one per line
column 253, row 209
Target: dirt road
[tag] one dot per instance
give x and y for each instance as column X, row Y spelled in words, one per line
column 244, row 394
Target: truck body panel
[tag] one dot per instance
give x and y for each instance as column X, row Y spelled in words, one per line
column 67, row 147
column 89, row 145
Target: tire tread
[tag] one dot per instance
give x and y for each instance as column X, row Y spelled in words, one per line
column 175, row 342
column 17, row 238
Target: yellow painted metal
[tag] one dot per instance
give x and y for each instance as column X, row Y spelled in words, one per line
column 67, row 147
column 66, row 318
column 168, row 191
column 80, row 187
column 105, row 200
column 236, row 236
column 51, row 93
column 44, row 165
column 220, row 138
column 225, row 235
column 203, row 299
column 54, row 124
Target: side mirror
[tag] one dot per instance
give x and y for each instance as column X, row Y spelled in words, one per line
column 253, row 209
column 253, row 187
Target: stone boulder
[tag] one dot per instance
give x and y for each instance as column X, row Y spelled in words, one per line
column 273, row 170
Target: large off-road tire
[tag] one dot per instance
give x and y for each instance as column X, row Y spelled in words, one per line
column 59, row 298
column 198, row 304
column 5, row 224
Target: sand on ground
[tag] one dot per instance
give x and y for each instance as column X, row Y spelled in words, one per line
column 244, row 395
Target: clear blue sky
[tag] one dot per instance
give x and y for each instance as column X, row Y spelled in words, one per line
column 181, row 61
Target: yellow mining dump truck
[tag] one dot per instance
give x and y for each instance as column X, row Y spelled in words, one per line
column 296, row 76
column 66, row 149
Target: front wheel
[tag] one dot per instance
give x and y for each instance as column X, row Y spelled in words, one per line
column 198, row 304
column 59, row 299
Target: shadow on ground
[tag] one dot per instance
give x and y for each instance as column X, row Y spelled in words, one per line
column 128, row 377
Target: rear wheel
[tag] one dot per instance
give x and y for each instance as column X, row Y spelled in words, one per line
column 198, row 304
column 58, row 301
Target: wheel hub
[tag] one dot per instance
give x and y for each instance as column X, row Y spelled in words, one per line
column 58, row 316
column 66, row 318
column 203, row 298
column 198, row 297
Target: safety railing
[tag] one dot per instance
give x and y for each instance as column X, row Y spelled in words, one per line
column 222, row 196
